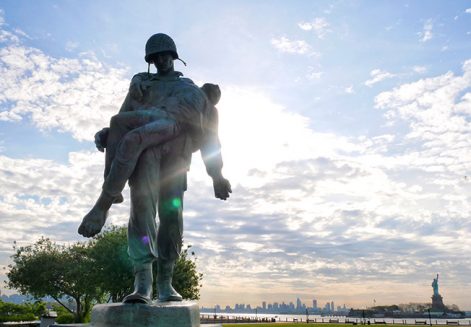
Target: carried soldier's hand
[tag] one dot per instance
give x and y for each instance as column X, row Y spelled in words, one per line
column 101, row 138
column 137, row 89
column 222, row 188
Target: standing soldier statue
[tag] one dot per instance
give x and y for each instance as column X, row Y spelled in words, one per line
column 163, row 120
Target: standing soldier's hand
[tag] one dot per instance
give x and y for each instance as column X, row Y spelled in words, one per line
column 222, row 188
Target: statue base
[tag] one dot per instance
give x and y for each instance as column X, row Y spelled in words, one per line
column 437, row 303
column 158, row 314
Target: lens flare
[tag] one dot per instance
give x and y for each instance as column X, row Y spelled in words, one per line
column 176, row 202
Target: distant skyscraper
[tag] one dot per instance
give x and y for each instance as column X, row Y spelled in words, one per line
column 332, row 306
column 314, row 304
column 299, row 304
column 327, row 307
column 264, row 305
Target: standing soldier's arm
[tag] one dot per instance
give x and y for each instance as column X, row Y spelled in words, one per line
column 211, row 146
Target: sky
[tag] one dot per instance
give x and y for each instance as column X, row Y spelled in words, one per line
column 345, row 130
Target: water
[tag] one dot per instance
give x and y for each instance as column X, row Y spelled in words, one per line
column 340, row 319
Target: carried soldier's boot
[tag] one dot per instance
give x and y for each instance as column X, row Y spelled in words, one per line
column 164, row 281
column 111, row 193
column 142, row 285
column 93, row 221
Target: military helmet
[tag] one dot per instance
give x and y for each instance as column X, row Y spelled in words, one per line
column 160, row 42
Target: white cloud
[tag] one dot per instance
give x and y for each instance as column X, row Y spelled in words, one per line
column 284, row 44
column 419, row 69
column 378, row 75
column 468, row 11
column 77, row 96
column 21, row 33
column 349, row 90
column 71, row 45
column 47, row 198
column 319, row 25
column 314, row 74
column 426, row 34
column 437, row 110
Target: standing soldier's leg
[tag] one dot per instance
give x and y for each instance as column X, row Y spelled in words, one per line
column 142, row 228
column 170, row 234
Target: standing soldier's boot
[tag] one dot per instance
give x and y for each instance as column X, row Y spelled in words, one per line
column 142, row 285
column 164, row 281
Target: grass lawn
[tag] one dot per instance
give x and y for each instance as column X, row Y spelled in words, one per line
column 298, row 324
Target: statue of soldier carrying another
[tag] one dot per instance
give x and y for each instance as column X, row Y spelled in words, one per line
column 163, row 120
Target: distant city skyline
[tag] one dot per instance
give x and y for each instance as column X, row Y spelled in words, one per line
column 278, row 307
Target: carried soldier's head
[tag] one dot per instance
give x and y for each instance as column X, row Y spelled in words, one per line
column 213, row 92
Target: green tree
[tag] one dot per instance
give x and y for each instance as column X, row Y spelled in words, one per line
column 46, row 268
column 109, row 253
column 96, row 271
column 186, row 279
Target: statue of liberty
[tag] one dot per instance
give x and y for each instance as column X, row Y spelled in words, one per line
column 435, row 286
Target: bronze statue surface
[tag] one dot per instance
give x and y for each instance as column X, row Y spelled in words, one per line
column 163, row 120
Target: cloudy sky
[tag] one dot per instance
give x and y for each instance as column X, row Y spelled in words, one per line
column 345, row 128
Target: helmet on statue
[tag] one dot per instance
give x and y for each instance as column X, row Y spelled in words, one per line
column 160, row 42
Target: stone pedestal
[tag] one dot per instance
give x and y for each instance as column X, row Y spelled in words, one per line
column 48, row 320
column 159, row 314
column 437, row 303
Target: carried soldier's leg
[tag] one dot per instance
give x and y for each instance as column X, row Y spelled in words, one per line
column 170, row 234
column 123, row 162
column 120, row 125
column 142, row 228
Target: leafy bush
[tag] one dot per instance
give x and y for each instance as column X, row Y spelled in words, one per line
column 21, row 312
